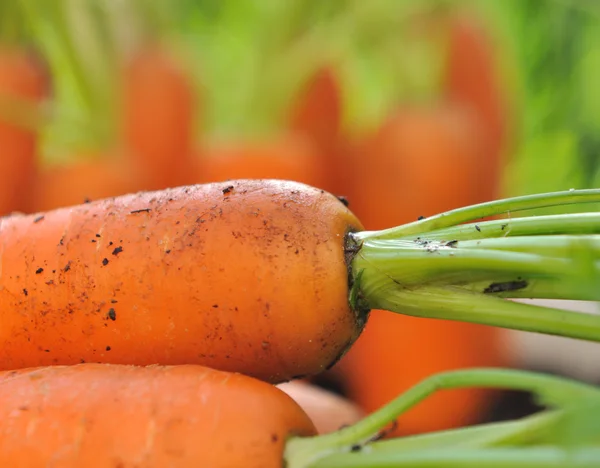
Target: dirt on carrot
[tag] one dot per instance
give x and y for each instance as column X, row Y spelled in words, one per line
column 247, row 276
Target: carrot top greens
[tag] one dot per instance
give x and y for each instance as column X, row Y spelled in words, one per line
column 440, row 268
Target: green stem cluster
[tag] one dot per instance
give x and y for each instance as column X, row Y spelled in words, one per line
column 442, row 268
column 492, row 443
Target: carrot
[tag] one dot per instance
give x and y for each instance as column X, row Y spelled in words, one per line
column 246, row 276
column 317, row 112
column 99, row 415
column 317, row 115
column 77, row 183
column 21, row 78
column 472, row 79
column 422, row 161
column 328, row 411
column 285, row 158
column 158, row 113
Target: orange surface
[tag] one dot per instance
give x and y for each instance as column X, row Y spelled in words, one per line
column 96, row 415
column 76, row 183
column 158, row 113
column 244, row 276
column 288, row 157
column 21, row 77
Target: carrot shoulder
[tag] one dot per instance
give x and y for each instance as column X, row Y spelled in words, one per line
column 98, row 415
column 246, row 276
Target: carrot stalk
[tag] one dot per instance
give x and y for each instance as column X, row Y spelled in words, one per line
column 555, row 392
column 535, row 457
column 404, row 270
column 527, row 431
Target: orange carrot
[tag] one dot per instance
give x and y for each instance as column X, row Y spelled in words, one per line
column 317, row 115
column 285, row 158
column 246, row 276
column 421, row 162
column 100, row 415
column 472, row 80
column 328, row 411
column 21, row 78
column 77, row 183
column 158, row 118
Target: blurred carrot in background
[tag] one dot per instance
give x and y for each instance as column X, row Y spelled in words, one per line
column 317, row 115
column 286, row 157
column 471, row 79
column 88, row 180
column 23, row 84
column 158, row 113
column 422, row 161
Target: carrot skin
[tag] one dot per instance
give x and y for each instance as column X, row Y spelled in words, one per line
column 246, row 276
column 100, row 415
column 22, row 77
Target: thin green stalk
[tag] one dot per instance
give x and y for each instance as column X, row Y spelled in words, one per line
column 522, row 432
column 580, row 223
column 558, row 246
column 483, row 210
column 536, row 457
column 454, row 303
column 553, row 391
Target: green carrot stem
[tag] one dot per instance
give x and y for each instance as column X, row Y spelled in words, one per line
column 580, row 223
column 454, row 303
column 553, row 391
column 434, row 269
column 522, row 432
column 483, row 210
column 535, row 457
column 552, row 246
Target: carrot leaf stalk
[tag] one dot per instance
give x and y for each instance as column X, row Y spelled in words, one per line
column 557, row 393
column 533, row 457
column 439, row 268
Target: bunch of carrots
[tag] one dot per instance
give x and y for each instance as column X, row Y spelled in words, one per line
column 146, row 329
column 149, row 329
column 456, row 145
